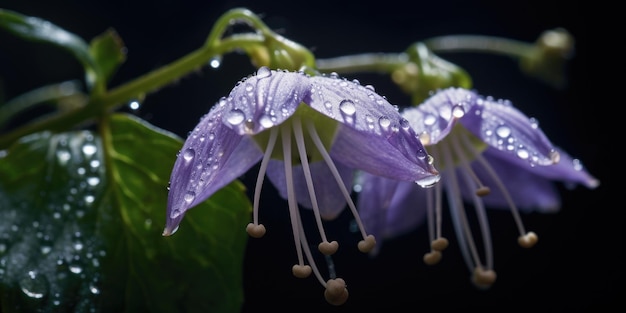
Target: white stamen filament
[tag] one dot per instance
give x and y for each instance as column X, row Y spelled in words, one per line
column 259, row 180
column 291, row 195
column 461, row 225
column 307, row 252
column 325, row 247
column 368, row 242
column 470, row 177
column 434, row 210
column 526, row 239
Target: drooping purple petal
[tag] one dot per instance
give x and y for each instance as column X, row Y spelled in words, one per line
column 440, row 112
column 372, row 135
column 504, row 127
column 264, row 100
column 212, row 156
column 389, row 208
column 568, row 170
column 331, row 203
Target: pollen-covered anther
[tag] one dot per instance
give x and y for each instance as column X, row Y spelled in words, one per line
column 367, row 244
column 336, row 292
column 433, row 257
column 255, row 230
column 528, row 240
column 301, row 271
column 328, row 248
column 439, row 244
column 483, row 278
column 483, row 191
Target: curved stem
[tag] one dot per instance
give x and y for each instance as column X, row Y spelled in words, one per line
column 477, row 43
column 366, row 62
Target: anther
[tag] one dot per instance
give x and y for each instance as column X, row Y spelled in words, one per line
column 301, row 271
column 433, row 257
column 483, row 278
column 439, row 244
column 328, row 248
column 367, row 244
column 528, row 240
column 255, row 230
column 336, row 292
column 483, row 191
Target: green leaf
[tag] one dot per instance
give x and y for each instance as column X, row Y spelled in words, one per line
column 82, row 222
column 37, row 29
column 108, row 51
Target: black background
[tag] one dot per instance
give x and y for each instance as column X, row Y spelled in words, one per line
column 577, row 264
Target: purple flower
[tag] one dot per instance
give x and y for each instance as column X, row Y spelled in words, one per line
column 489, row 155
column 310, row 133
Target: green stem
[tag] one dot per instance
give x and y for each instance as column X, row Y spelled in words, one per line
column 126, row 92
column 367, row 62
column 475, row 43
column 387, row 62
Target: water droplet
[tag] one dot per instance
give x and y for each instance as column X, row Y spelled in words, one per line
column 189, row 154
column 94, row 290
column 503, row 131
column 189, row 196
column 458, row 111
column 215, row 61
column 76, row 269
column 93, row 181
column 34, row 285
column 249, row 87
column 89, row 149
column 347, row 107
column 263, row 72
column 428, row 181
column 523, row 153
column 266, row 121
column 63, row 156
column 383, row 121
column 235, row 117
column 134, row 105
column 429, row 119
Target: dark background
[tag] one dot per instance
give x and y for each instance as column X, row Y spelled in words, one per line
column 577, row 264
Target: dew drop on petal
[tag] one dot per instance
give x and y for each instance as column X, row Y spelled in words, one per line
column 503, row 131
column 384, row 121
column 189, row 196
column 347, row 107
column 189, row 154
column 429, row 181
column 235, row 117
column 266, row 121
column 523, row 153
column 263, row 72
column 458, row 111
column 429, row 119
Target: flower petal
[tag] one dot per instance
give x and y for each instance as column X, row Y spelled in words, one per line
column 504, row 127
column 439, row 113
column 264, row 100
column 331, row 203
column 212, row 156
column 372, row 135
column 389, row 208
